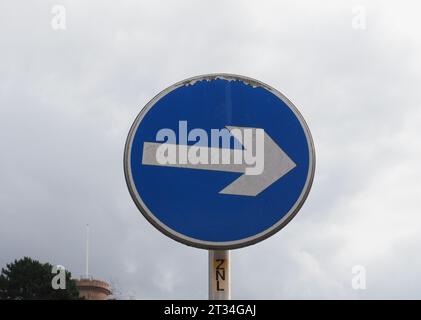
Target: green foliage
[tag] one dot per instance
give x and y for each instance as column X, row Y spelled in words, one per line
column 28, row 279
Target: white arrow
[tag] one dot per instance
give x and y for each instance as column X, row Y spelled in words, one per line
column 276, row 164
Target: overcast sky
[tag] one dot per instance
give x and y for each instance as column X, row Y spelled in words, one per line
column 68, row 98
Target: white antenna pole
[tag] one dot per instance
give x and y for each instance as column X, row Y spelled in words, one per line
column 87, row 252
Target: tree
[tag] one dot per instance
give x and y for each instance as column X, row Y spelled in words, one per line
column 28, row 279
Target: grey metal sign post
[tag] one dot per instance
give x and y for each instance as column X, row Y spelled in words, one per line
column 219, row 275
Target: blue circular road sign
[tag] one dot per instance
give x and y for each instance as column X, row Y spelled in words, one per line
column 219, row 161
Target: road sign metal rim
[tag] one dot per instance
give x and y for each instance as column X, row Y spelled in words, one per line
column 213, row 245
